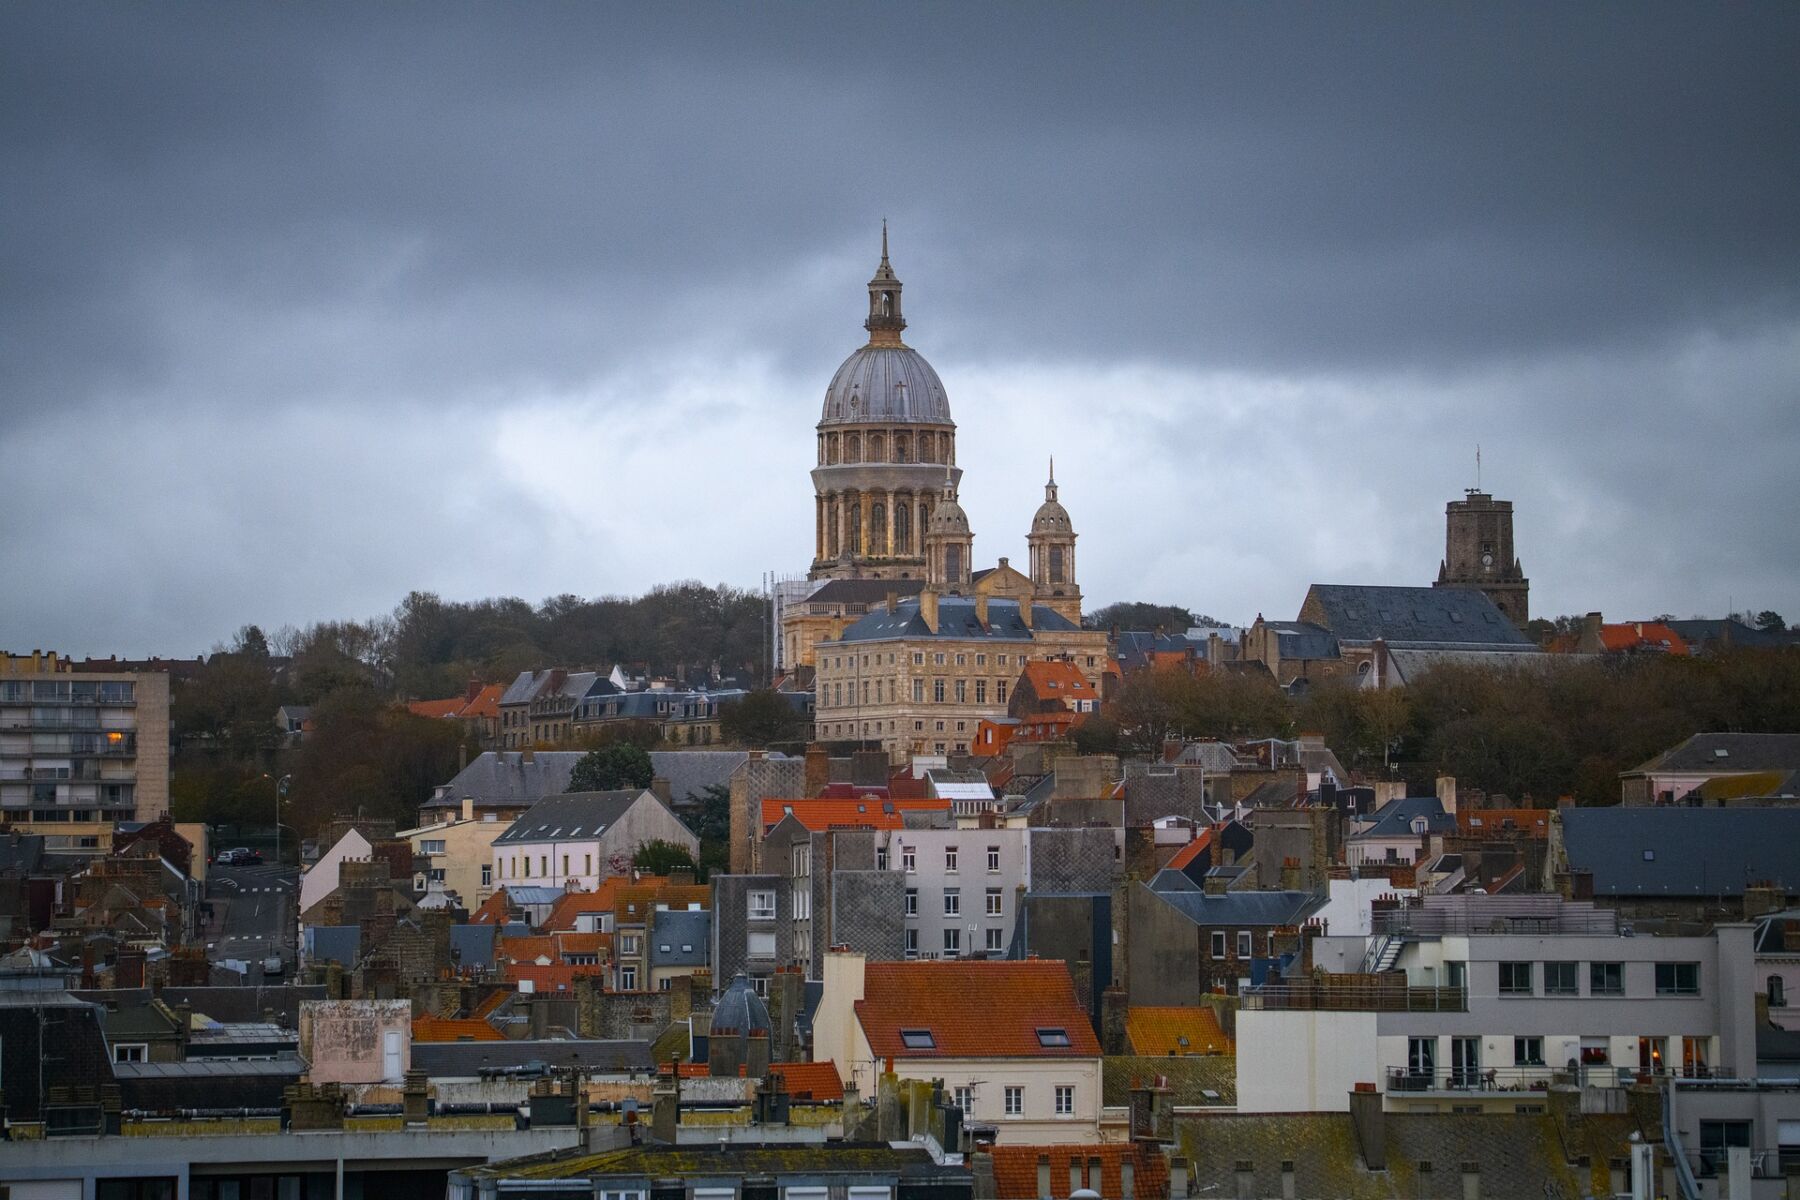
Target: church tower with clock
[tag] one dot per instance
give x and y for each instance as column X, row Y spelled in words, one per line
column 1478, row 554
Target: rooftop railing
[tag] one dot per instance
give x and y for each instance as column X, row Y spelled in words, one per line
column 1355, row 993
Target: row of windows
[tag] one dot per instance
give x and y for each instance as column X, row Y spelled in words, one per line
column 851, row 448
column 993, row 942
column 68, row 691
column 909, row 859
column 519, row 866
column 1244, row 943
column 995, row 902
column 1604, row 979
column 1012, row 1100
column 939, row 658
column 887, row 691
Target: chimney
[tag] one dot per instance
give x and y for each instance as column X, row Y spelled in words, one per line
column 1446, row 793
column 1367, row 1122
column 1025, row 613
column 528, row 755
column 818, row 769
column 981, row 607
column 659, row 787
column 474, row 688
column 1213, row 885
column 928, row 608
column 1589, row 640
column 893, row 602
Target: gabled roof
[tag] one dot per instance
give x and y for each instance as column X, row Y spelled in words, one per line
column 564, row 912
column 1243, row 909
column 1634, row 851
column 1722, row 752
column 1188, row 853
column 1056, row 679
column 1400, row 615
column 819, row 815
column 575, row 815
column 864, row 591
column 1017, row 1001
column 816, row 1081
column 1396, row 819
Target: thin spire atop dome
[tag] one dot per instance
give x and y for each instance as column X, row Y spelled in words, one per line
column 885, row 322
column 884, row 261
column 1050, row 488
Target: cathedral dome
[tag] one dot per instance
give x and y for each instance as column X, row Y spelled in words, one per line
column 887, row 385
column 948, row 517
column 1052, row 517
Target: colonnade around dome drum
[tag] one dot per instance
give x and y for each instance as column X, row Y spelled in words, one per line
column 871, row 522
column 875, row 445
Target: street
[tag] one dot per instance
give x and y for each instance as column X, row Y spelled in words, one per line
column 252, row 915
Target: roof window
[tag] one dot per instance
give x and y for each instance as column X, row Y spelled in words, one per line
column 1053, row 1037
column 918, row 1039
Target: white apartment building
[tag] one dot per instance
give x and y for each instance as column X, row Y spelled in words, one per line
column 962, row 888
column 574, row 841
column 1485, row 1002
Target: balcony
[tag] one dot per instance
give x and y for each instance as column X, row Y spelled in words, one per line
column 1355, row 993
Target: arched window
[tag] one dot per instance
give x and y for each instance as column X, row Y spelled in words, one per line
column 853, row 447
column 952, row 563
column 900, row 447
column 925, row 448
column 877, row 448
column 831, row 449
column 877, row 527
column 856, row 540
column 902, row 528
column 1056, row 564
column 887, row 304
column 1777, row 992
column 831, row 529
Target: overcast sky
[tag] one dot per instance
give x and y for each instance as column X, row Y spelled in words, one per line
column 303, row 306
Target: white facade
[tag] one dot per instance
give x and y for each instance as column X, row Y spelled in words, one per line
column 321, row 879
column 962, row 888
column 577, row 859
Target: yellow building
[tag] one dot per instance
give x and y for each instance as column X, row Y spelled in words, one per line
column 81, row 750
column 459, row 852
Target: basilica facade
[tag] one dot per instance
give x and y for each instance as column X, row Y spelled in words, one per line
column 910, row 644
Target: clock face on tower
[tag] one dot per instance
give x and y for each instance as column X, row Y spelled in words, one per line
column 1487, row 560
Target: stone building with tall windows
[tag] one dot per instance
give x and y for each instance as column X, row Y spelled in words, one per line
column 911, row 644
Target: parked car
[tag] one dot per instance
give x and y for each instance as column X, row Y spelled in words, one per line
column 239, row 856
column 272, row 965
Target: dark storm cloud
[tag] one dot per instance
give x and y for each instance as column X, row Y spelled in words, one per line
column 388, row 230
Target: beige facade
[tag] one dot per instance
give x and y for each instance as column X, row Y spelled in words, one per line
column 459, row 853
column 81, row 750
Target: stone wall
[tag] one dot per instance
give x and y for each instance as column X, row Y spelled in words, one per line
column 1073, row 860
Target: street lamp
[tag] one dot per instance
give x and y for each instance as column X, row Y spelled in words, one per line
column 281, row 790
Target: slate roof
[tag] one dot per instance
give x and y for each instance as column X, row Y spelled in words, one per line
column 864, row 591
column 1703, row 633
column 1242, row 909
column 1017, row 1000
column 570, row 816
column 503, row 777
column 956, row 620
column 1215, row 758
column 687, row 936
column 473, row 945
column 334, row 943
column 886, row 384
column 21, row 853
column 1410, row 662
column 782, row 1161
column 1633, row 851
column 462, row 1059
column 1297, row 639
column 1395, row 820
column 1137, row 648
column 1741, row 752
column 691, row 772
column 1443, row 616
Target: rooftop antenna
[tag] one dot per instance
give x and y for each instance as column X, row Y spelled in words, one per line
column 1478, row 466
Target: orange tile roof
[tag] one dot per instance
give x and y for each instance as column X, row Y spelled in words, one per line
column 436, row 708
column 525, row 949
column 556, row 978
column 1016, row 1000
column 1192, row 850
column 1159, row 1031
column 495, row 910
column 486, row 702
column 449, row 1029
column 819, row 815
column 1652, row 634
column 1016, row 1170
column 811, row 1080
column 1532, row 822
column 571, row 905
column 495, row 999
column 1056, row 680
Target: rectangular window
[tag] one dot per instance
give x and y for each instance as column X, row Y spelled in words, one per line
column 993, row 860
column 1678, row 979
column 1244, row 948
column 1015, row 1101
column 1515, row 979
column 981, row 691
column 130, row 1052
column 1000, row 690
column 907, row 862
column 762, row 905
column 918, row 691
column 431, row 846
column 953, row 902
column 952, row 942
column 937, row 691
column 965, row 1099
column 918, row 659
column 1065, row 1100
column 996, row 940
column 1606, row 979
column 993, row 902
column 912, row 943
column 912, row 902
column 1218, row 943
column 487, row 875
column 1528, row 1052
column 544, row 865
column 628, row 943
column 950, row 859
column 565, row 864
column 1560, row 979
column 962, row 691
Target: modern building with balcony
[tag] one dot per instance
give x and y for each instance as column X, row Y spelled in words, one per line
column 80, row 751
column 1483, row 1003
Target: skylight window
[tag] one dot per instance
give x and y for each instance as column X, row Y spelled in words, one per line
column 918, row 1039
column 1053, row 1037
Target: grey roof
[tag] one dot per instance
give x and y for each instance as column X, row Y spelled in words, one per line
column 1396, row 819
column 1214, row 757
column 1248, row 908
column 506, row 777
column 864, row 591
column 570, row 816
column 691, row 772
column 1409, row 662
column 1297, row 639
column 1168, row 879
column 740, row 1009
column 473, row 945
column 531, row 685
column 885, row 383
column 956, row 619
column 459, row 1059
column 334, row 943
column 659, row 703
column 1774, row 1044
column 1633, row 851
column 680, row 938
column 1704, row 632
column 1716, row 752
column 21, row 853
column 1439, row 616
column 211, row 1068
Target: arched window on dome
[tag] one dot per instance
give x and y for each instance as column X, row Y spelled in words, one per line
column 887, row 304
column 902, row 528
column 831, row 529
column 877, row 528
column 926, row 452
column 831, row 449
column 856, row 514
column 853, row 447
column 900, row 447
column 953, row 564
column 1056, row 564
column 877, row 448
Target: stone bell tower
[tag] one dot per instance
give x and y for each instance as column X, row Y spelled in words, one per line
column 1478, row 553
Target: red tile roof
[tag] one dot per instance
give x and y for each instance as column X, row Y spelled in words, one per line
column 495, row 910
column 973, row 1009
column 436, row 708
column 1532, row 822
column 811, row 1080
column 1192, row 850
column 484, row 703
column 574, row 904
column 428, row 1028
column 548, row 979
column 822, row 814
column 1159, row 1031
column 1058, row 680
column 1016, row 1170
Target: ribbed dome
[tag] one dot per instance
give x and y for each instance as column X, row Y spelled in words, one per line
column 740, row 1009
column 887, row 384
column 947, row 516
